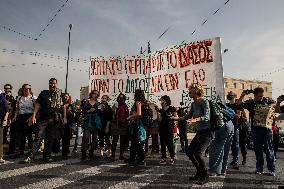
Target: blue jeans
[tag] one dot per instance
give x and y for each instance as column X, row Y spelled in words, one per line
column 220, row 147
column 235, row 145
column 262, row 141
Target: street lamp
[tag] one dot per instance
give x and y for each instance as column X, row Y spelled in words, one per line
column 70, row 27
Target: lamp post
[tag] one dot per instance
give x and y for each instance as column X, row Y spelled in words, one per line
column 70, row 27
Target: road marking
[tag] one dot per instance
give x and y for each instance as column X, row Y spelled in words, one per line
column 147, row 176
column 31, row 169
column 71, row 177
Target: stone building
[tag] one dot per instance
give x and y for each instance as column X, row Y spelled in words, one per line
column 238, row 85
column 84, row 93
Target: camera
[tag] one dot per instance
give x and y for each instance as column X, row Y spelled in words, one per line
column 247, row 92
column 230, row 97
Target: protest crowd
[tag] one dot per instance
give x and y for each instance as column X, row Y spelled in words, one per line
column 46, row 124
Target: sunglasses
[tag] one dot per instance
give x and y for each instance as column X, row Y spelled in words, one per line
column 7, row 88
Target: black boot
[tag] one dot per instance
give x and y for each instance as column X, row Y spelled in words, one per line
column 84, row 155
column 47, row 159
column 244, row 160
column 196, row 177
column 204, row 178
column 91, row 154
column 112, row 157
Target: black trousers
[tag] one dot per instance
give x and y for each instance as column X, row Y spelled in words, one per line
column 167, row 141
column 66, row 137
column 123, row 143
column 24, row 131
column 136, row 148
column 183, row 135
column 13, row 137
column 243, row 142
column 198, row 146
column 276, row 139
column 47, row 130
column 5, row 135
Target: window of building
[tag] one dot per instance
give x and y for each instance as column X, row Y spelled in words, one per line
column 265, row 89
column 250, row 87
column 243, row 86
column 235, row 85
column 226, row 84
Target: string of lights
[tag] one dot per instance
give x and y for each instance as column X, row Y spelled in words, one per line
column 268, row 74
column 213, row 14
column 9, row 29
column 36, row 37
column 194, row 31
column 40, row 64
column 52, row 18
column 40, row 54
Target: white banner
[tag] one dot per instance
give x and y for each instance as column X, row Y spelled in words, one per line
column 169, row 71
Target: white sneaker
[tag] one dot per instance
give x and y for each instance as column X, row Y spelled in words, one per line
column 163, row 162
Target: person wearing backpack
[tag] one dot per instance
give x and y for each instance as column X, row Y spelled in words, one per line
column 137, row 129
column 120, row 126
column 168, row 113
column 24, row 110
column 4, row 112
column 262, row 136
column 219, row 149
column 231, row 97
column 199, row 117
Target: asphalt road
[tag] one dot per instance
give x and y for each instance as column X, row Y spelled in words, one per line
column 103, row 174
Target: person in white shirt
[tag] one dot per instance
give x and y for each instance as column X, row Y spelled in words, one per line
column 24, row 110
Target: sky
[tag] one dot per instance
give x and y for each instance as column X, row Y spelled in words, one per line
column 252, row 31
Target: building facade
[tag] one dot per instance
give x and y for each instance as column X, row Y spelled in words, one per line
column 84, row 93
column 238, row 85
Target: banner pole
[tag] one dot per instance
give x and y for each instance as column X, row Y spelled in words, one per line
column 149, row 53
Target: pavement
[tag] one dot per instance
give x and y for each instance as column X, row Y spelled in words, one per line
column 103, row 174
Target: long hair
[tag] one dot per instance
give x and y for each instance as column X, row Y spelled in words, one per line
column 23, row 88
column 139, row 95
column 121, row 94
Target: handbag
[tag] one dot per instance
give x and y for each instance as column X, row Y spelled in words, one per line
column 142, row 135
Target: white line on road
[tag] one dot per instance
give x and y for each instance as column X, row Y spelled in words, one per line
column 147, row 176
column 31, row 169
column 71, row 177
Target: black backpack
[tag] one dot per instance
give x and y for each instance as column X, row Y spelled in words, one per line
column 147, row 116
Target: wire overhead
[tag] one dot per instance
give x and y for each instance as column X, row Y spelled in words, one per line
column 52, row 19
column 41, row 54
column 37, row 36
